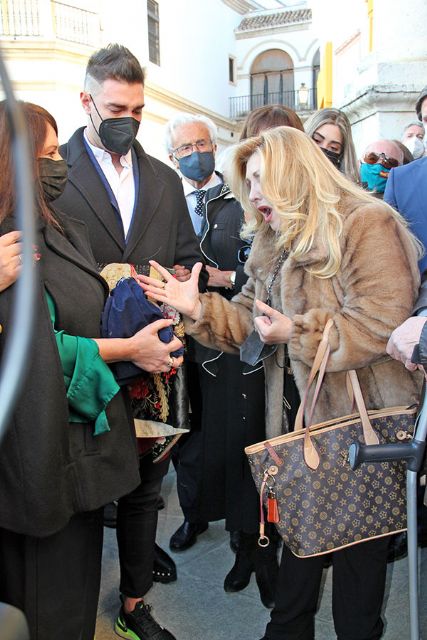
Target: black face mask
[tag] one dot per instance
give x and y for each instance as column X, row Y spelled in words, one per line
column 333, row 156
column 53, row 176
column 116, row 134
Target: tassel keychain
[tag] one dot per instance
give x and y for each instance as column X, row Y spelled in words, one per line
column 272, row 508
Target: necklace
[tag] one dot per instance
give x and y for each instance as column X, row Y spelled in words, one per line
column 279, row 264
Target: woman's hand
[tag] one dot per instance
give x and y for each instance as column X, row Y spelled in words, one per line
column 273, row 327
column 151, row 354
column 145, row 349
column 182, row 296
column 10, row 258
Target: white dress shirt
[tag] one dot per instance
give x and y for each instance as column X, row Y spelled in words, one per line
column 122, row 185
column 190, row 196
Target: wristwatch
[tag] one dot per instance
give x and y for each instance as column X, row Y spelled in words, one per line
column 232, row 277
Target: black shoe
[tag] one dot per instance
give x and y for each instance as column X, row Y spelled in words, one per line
column 164, row 568
column 266, row 573
column 110, row 515
column 140, row 625
column 234, row 540
column 398, row 547
column 186, row 535
column 240, row 574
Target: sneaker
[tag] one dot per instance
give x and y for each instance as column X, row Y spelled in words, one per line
column 140, row 625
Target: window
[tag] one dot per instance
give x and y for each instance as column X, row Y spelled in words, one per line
column 153, row 31
column 272, row 79
column 231, row 70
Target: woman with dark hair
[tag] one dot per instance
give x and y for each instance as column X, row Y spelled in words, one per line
column 331, row 131
column 315, row 233
column 69, row 446
column 268, row 117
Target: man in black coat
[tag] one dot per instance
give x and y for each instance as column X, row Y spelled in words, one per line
column 134, row 209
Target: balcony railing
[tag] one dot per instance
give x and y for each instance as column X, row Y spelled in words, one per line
column 76, row 25
column 23, row 18
column 241, row 105
column 20, row 18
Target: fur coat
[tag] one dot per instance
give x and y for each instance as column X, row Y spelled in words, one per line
column 372, row 293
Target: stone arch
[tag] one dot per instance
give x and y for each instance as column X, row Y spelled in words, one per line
column 272, row 79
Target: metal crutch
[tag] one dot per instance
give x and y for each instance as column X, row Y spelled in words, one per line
column 413, row 453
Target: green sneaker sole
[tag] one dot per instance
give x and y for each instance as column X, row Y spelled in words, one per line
column 123, row 631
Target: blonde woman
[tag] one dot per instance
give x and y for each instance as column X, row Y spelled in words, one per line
column 331, row 131
column 323, row 249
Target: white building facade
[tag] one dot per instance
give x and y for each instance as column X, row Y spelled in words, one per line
column 378, row 62
column 225, row 57
column 200, row 57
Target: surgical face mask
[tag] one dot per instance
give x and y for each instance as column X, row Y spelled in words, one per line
column 117, row 134
column 333, row 156
column 415, row 146
column 374, row 176
column 197, row 166
column 53, row 176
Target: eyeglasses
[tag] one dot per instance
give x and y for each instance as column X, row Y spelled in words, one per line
column 187, row 149
column 381, row 158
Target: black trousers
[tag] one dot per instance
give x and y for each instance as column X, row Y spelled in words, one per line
column 55, row 580
column 136, row 529
column 358, row 583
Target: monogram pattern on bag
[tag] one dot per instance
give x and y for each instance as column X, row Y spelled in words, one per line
column 332, row 507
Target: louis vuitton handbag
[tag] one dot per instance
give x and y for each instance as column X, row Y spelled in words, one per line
column 307, row 487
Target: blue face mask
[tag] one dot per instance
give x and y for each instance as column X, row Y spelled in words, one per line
column 197, row 166
column 374, row 176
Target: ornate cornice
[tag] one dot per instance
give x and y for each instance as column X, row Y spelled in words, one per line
column 380, row 98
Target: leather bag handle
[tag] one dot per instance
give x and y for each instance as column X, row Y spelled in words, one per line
column 318, row 369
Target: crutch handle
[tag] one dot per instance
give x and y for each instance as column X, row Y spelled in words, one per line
column 411, row 452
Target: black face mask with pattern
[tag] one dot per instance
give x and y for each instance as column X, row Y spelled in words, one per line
column 53, row 177
column 333, row 156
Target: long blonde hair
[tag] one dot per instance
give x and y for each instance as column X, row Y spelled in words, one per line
column 305, row 189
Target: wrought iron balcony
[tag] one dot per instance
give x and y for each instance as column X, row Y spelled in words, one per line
column 23, row 18
column 76, row 25
column 301, row 99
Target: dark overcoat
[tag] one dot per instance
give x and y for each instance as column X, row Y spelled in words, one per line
column 161, row 227
column 51, row 469
column 232, row 393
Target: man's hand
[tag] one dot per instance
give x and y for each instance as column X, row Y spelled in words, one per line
column 403, row 340
column 181, row 273
column 218, row 278
column 148, row 352
column 273, row 327
column 10, row 258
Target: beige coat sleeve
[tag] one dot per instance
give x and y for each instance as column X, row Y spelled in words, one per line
column 375, row 290
column 224, row 324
